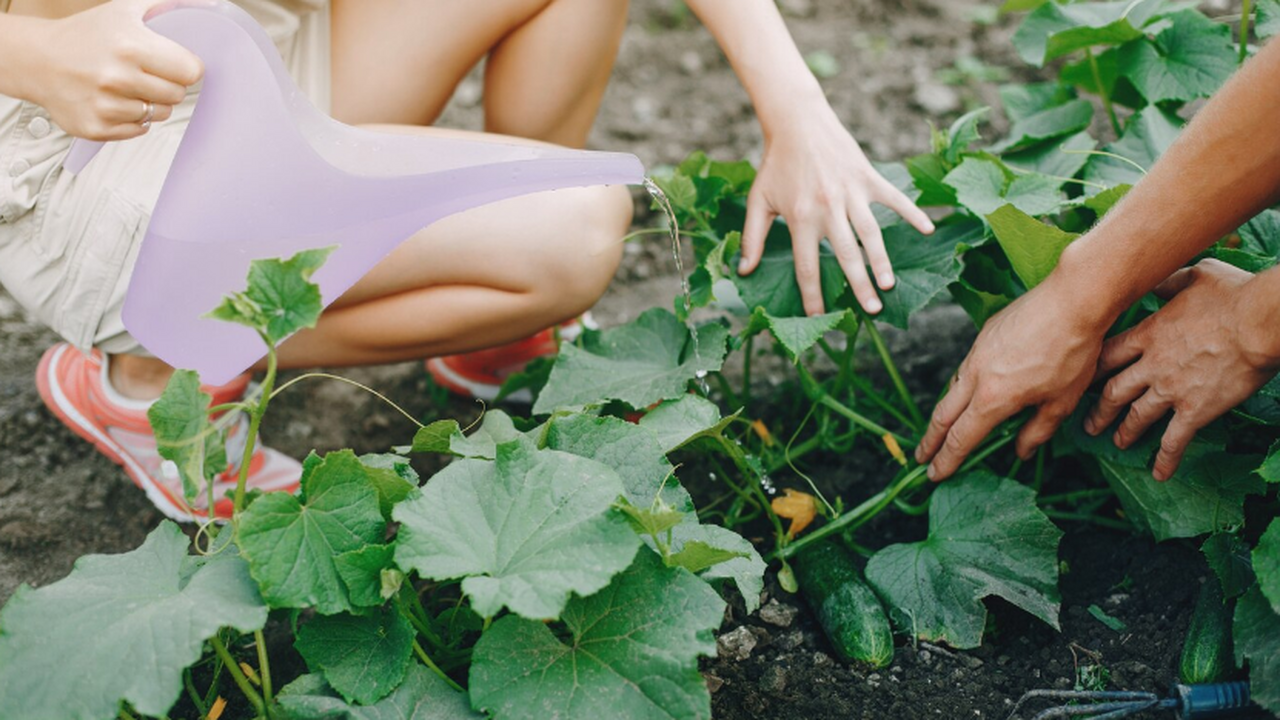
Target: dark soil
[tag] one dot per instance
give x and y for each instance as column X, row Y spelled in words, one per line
column 673, row 93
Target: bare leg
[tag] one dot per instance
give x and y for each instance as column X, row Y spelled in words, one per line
column 398, row 61
column 493, row 274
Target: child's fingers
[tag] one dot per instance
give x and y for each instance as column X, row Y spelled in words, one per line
column 852, row 262
column 804, row 246
column 754, row 232
column 893, row 198
column 864, row 222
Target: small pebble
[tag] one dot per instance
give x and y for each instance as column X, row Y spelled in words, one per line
column 774, row 679
column 776, row 613
column 736, row 644
column 714, row 682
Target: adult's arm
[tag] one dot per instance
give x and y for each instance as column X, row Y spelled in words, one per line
column 1042, row 351
column 813, row 172
column 95, row 71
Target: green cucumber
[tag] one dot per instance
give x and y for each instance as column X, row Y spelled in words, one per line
column 847, row 609
column 1206, row 655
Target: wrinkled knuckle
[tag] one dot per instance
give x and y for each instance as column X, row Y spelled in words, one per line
column 954, row 443
column 1170, row 446
column 1111, row 394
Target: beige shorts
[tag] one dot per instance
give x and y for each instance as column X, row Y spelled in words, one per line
column 68, row 243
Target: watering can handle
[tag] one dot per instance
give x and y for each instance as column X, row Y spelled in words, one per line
column 82, row 151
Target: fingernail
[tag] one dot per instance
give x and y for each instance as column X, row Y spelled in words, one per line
column 919, row 455
column 1159, row 475
column 874, row 307
column 932, row 472
column 886, row 281
column 1089, row 426
column 1119, row 441
column 742, row 267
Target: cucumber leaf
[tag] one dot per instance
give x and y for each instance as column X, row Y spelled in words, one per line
column 120, row 628
column 1053, row 122
column 1033, row 247
column 1147, row 135
column 1053, row 30
column 1228, row 556
column 1266, row 563
column 422, row 696
column 280, row 299
column 1256, row 630
column 650, row 359
column 679, row 422
column 1190, row 59
column 292, row 542
column 632, row 653
column 522, row 531
column 986, row 537
column 184, row 434
column 362, row 657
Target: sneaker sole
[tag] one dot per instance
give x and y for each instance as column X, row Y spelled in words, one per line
column 462, row 385
column 57, row 402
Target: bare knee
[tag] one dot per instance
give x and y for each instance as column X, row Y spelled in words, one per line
column 577, row 266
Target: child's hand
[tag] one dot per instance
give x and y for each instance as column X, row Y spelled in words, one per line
column 815, row 175
column 97, row 70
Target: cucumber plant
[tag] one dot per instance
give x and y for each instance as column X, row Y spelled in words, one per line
column 558, row 567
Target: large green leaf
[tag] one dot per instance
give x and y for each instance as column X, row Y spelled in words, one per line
column 632, row 654
column 742, row 564
column 1054, row 122
column 795, row 334
column 1206, row 494
column 496, row 428
column 1053, row 30
column 1057, row 160
column 422, row 696
column 523, row 531
column 280, row 299
column 1228, row 556
column 986, row 537
column 1266, row 564
column 120, row 627
column 983, row 186
column 678, row 422
column 1033, row 247
column 1022, row 100
column 923, row 266
column 1257, row 637
column 655, row 496
column 1268, row 18
column 1190, row 59
column 631, row 451
column 184, row 435
column 1147, row 135
column 650, row 359
column 292, row 542
column 363, row 657
column 1262, row 233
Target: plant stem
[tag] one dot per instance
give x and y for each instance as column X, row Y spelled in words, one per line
column 190, row 684
column 1102, row 91
column 426, row 660
column 255, row 420
column 264, row 666
column 791, row 454
column 241, row 681
column 883, row 350
column 819, row 395
column 729, row 395
column 864, row 387
column 414, row 618
column 1085, row 517
column 747, row 352
column 1245, row 13
column 736, row 454
column 874, row 504
column 1073, row 496
column 1038, row 481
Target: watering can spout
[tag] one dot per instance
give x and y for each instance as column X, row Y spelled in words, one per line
column 261, row 173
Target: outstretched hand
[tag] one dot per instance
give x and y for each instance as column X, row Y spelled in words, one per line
column 104, row 66
column 1199, row 356
column 1039, row 352
column 816, row 176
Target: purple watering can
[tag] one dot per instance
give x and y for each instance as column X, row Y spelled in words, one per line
column 261, row 173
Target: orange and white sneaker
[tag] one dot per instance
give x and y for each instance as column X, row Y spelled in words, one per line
column 480, row 374
column 75, row 387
